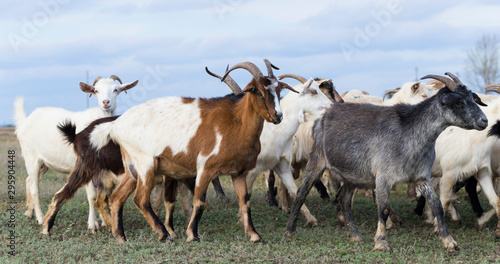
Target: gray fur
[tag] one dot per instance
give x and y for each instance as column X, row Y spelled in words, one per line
column 371, row 146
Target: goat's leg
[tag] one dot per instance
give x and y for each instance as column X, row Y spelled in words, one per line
column 314, row 170
column 446, row 190
column 471, row 189
column 35, row 170
column 158, row 195
column 283, row 196
column 93, row 225
column 184, row 199
column 428, row 192
column 199, row 198
column 383, row 207
column 484, row 180
column 142, row 200
column 322, row 190
column 284, row 171
column 219, row 192
column 170, row 192
column 345, row 204
column 497, row 231
column 240, row 187
column 271, row 191
column 116, row 200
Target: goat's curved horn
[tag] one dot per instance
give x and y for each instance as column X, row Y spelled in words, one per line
column 493, row 90
column 229, row 81
column 114, row 77
column 389, row 92
column 293, row 76
column 454, row 78
column 96, row 80
column 256, row 73
column 447, row 81
column 492, row 85
column 270, row 67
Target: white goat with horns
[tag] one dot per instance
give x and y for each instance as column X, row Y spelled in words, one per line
column 43, row 147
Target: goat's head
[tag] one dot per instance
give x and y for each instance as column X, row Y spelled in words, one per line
column 315, row 96
column 264, row 90
column 106, row 90
column 461, row 105
column 413, row 92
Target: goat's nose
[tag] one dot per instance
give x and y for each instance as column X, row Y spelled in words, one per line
column 105, row 102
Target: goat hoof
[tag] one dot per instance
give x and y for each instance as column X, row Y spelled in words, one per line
column 355, row 238
column 312, row 223
column 45, row 232
column 257, row 239
column 193, row 239
column 288, row 234
column 120, row 240
column 450, row 244
column 29, row 214
column 381, row 246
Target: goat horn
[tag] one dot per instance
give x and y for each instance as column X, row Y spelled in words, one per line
column 389, row 92
column 96, row 80
column 270, row 67
column 454, row 78
column 492, row 85
column 114, row 77
column 229, row 81
column 447, row 81
column 493, row 90
column 293, row 76
column 256, row 73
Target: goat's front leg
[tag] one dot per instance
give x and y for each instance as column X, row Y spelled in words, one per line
column 428, row 192
column 382, row 191
column 199, row 198
column 314, row 170
column 239, row 183
column 284, row 171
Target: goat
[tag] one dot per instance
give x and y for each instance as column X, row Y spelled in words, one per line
column 201, row 138
column 384, row 146
column 43, row 146
column 106, row 171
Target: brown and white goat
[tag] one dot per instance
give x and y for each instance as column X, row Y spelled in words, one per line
column 106, row 170
column 192, row 137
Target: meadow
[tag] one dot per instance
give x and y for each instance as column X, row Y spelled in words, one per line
column 223, row 240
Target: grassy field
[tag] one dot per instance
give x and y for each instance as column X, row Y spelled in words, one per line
column 223, row 240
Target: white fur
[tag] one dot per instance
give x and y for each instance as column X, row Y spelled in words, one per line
column 43, row 146
column 461, row 154
column 202, row 160
column 275, row 140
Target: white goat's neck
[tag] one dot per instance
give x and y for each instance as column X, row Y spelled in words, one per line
column 290, row 123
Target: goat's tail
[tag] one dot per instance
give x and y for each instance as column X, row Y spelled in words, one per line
column 68, row 130
column 99, row 137
column 19, row 113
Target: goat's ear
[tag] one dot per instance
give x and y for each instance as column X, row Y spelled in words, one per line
column 87, row 88
column 125, row 87
column 249, row 88
column 414, row 87
column 286, row 86
column 478, row 100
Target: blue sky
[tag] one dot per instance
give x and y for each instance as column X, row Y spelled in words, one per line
column 49, row 45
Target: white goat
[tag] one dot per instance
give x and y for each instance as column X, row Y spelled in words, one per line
column 43, row 147
column 461, row 154
column 276, row 151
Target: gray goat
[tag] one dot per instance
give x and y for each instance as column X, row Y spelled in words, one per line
column 371, row 146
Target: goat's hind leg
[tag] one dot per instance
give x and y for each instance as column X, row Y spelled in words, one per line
column 428, row 192
column 116, row 200
column 383, row 208
column 142, row 200
column 345, row 204
column 170, row 192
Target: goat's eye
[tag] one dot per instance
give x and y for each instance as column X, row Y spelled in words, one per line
column 260, row 95
column 314, row 92
column 459, row 103
column 116, row 90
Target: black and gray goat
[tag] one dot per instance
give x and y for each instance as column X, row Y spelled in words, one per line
column 372, row 146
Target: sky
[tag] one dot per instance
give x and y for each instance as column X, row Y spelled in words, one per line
column 48, row 46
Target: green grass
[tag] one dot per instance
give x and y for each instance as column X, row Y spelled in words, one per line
column 223, row 240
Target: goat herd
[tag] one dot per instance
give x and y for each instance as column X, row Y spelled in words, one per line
column 427, row 131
